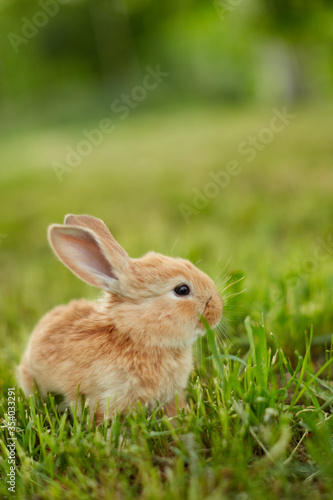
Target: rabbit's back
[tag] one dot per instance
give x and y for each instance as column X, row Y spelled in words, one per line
column 56, row 349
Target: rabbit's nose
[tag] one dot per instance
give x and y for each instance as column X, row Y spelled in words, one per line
column 209, row 300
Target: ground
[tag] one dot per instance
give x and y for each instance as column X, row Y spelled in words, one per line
column 251, row 204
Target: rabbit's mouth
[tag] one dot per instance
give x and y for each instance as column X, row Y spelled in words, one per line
column 199, row 332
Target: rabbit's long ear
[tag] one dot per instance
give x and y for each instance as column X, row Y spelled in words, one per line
column 84, row 254
column 100, row 229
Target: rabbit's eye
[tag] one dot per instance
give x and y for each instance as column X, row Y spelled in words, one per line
column 182, row 290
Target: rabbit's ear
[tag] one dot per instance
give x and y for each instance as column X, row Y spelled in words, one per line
column 83, row 253
column 99, row 228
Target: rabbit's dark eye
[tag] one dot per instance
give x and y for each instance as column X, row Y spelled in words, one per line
column 182, row 290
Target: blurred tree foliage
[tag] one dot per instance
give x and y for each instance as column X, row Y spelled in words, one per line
column 231, row 50
column 303, row 29
column 295, row 19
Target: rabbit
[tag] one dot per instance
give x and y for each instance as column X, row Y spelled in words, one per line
column 132, row 344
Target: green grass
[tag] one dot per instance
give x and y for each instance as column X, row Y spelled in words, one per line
column 260, row 397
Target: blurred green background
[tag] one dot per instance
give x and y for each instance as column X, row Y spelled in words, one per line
column 66, row 66
column 62, row 59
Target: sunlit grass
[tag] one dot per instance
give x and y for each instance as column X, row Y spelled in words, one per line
column 260, row 398
column 252, row 419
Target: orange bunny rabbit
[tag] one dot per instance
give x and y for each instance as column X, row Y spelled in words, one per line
column 133, row 344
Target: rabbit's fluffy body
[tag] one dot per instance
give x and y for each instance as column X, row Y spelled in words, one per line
column 133, row 344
